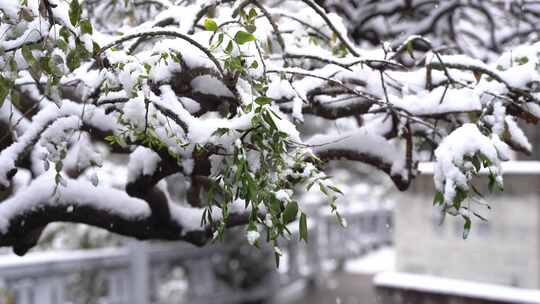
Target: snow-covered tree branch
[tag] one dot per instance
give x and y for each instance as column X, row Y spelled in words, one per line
column 221, row 92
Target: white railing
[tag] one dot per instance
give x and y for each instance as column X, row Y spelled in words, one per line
column 134, row 274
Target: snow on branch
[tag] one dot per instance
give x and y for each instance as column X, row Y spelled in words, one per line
column 43, row 202
column 246, row 101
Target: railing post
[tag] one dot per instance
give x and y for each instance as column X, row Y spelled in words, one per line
column 314, row 257
column 140, row 274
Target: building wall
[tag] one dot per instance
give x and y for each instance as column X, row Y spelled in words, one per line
column 504, row 250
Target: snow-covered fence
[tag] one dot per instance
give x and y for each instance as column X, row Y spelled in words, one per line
column 135, row 273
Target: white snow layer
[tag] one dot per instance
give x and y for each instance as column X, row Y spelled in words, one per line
column 41, row 193
column 93, row 116
column 450, row 167
column 438, row 285
column 142, row 162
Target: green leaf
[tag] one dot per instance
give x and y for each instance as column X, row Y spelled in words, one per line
column 461, row 195
column 251, row 189
column 62, row 45
column 485, row 161
column 15, row 98
column 269, row 44
column 86, row 27
column 12, row 64
column 147, row 67
column 45, row 64
column 229, row 47
column 65, row 33
column 289, row 214
column 522, row 60
column 81, row 49
column 410, row 49
column 236, row 63
column 73, row 60
column 275, row 205
column 263, row 100
column 252, row 13
column 269, row 120
column 33, row 65
column 210, row 25
column 242, row 37
column 58, row 166
column 75, row 12
column 303, row 227
column 4, row 89
column 493, row 185
column 323, row 189
column 466, row 227
column 221, row 131
column 438, row 199
column 27, row 55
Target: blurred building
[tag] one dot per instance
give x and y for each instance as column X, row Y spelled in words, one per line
column 505, row 250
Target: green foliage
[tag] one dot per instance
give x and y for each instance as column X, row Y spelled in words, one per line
column 75, row 12
column 210, row 25
column 303, row 227
column 473, row 165
column 5, row 87
column 290, row 212
column 466, row 226
column 73, row 60
column 438, row 199
column 257, row 161
column 522, row 60
column 259, row 167
column 242, row 37
column 86, row 27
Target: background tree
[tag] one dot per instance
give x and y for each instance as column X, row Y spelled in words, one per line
column 239, row 99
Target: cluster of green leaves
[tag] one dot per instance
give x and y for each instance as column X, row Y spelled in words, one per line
column 257, row 170
column 518, row 60
column 79, row 53
column 146, row 137
column 57, row 158
column 9, row 73
column 473, row 164
column 5, row 89
column 234, row 62
column 48, row 57
column 265, row 161
column 339, row 49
